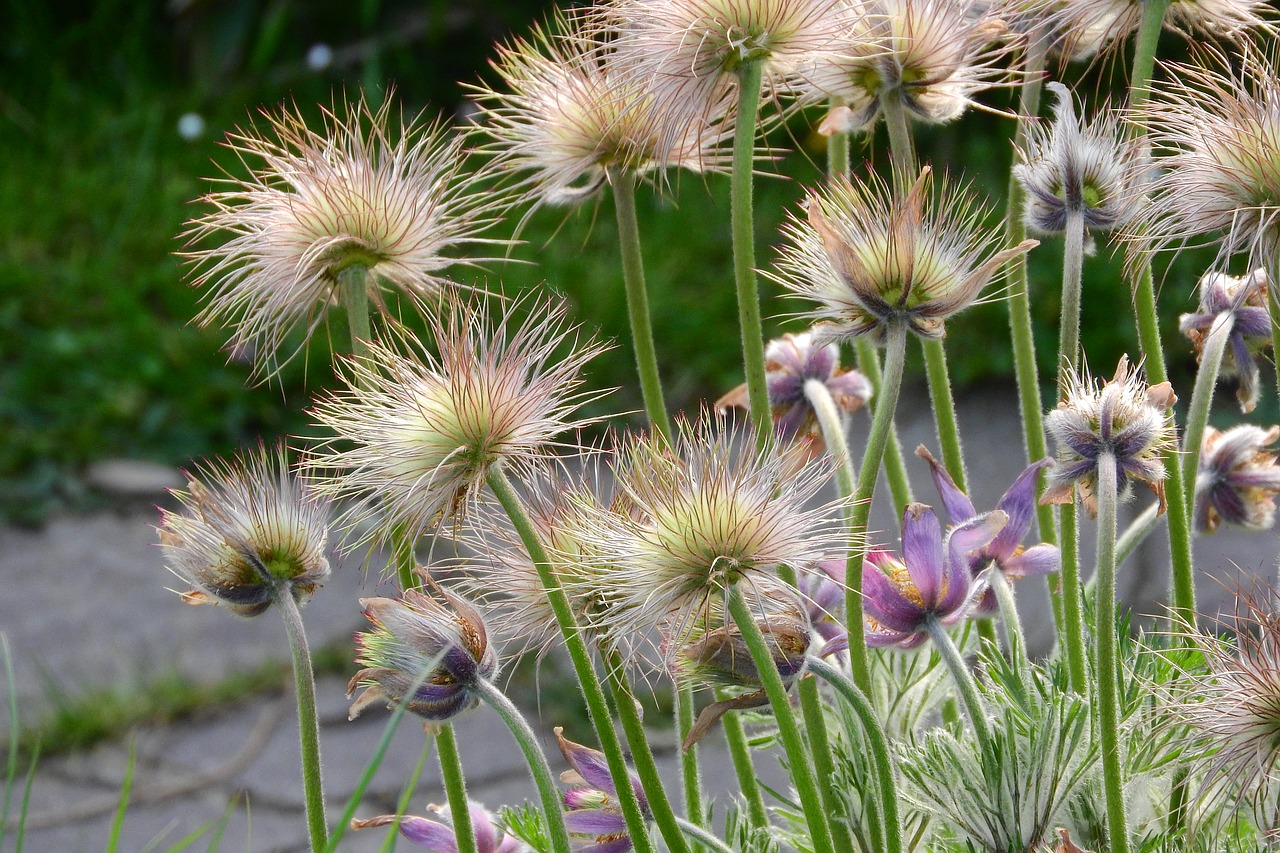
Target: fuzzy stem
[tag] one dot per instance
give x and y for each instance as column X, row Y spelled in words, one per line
column 861, row 706
column 1072, row 603
column 1144, row 55
column 455, row 787
column 402, row 554
column 815, row 728
column 308, row 721
column 901, row 148
column 588, row 681
column 703, row 836
column 838, row 155
column 1215, row 345
column 352, row 285
column 1108, row 696
column 690, row 778
column 642, row 756
column 963, row 680
column 527, row 740
column 881, row 425
column 624, row 200
column 1072, row 276
column 802, row 774
column 1014, row 635
column 744, row 250
column 944, row 410
column 748, row 782
column 895, row 468
column 1136, row 533
column 832, row 426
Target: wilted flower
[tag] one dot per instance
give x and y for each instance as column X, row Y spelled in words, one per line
column 1245, row 299
column 1220, row 177
column 438, row 837
column 1123, row 417
column 593, row 804
column 930, row 582
column 1238, row 478
column 791, row 362
column 572, row 112
column 873, row 257
column 248, row 532
column 416, row 636
column 1004, row 553
column 709, row 510
column 428, row 429
column 1070, row 167
column 356, row 194
column 933, row 55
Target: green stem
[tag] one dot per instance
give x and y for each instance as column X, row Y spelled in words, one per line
column 455, row 787
column 815, row 728
column 802, row 774
column 1215, row 345
column 1108, row 695
column 1136, row 533
column 308, row 721
column 895, row 468
column 527, row 740
column 963, row 680
column 748, row 782
column 744, row 249
column 690, row 778
column 642, row 756
column 588, row 681
column 838, row 155
column 861, row 706
column 881, row 425
column 353, row 287
column 1072, row 276
column 901, row 148
column 404, row 556
column 402, row 805
column 1072, row 603
column 1014, row 635
column 832, row 426
column 624, row 199
column 1144, row 57
column 704, row 836
column 944, row 410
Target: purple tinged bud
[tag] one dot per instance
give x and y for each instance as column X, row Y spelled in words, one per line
column 1244, row 298
column 1238, row 478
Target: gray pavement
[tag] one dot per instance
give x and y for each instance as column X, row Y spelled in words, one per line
column 87, row 604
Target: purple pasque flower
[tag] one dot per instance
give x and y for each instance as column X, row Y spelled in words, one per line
column 1004, row 553
column 440, row 837
column 930, row 582
column 1238, row 478
column 1245, row 298
column 822, row 587
column 592, row 803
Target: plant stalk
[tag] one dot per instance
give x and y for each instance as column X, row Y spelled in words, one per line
column 963, row 680
column 1215, row 345
column 895, row 468
column 703, row 836
column 455, row 787
column 690, row 778
column 1108, row 694
column 944, row 410
column 748, row 783
column 902, row 149
column 352, row 286
column 1014, row 635
column 308, row 721
column 1072, row 602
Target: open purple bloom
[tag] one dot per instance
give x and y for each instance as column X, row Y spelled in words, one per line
column 1004, row 553
column 931, row 581
column 1245, row 298
column 593, row 809
column 441, row 838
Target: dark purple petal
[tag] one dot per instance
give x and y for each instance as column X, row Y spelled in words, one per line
column 460, row 663
column 879, row 639
column 963, row 540
column 428, row 834
column 957, row 504
column 1254, row 322
column 784, row 388
column 594, row 822
column 589, row 763
column 1229, row 504
column 1131, row 440
column 885, row 603
column 838, row 642
column 1255, row 478
column 984, row 605
column 1019, row 503
column 609, row 845
column 922, row 552
column 821, row 362
column 441, row 702
column 792, row 421
column 1036, row 560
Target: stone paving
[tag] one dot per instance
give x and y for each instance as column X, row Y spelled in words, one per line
column 86, row 604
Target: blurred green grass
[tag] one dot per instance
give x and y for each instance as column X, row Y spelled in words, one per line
column 97, row 355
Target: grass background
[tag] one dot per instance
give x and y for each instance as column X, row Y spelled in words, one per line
column 97, row 355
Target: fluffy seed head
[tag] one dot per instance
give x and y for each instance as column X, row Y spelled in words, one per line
column 1073, row 167
column 416, row 433
column 418, row 634
column 872, row 257
column 1219, row 132
column 248, row 530
column 1238, row 478
column 933, row 55
column 570, row 112
column 358, row 193
column 1244, row 302
column 1122, row 417
column 1086, row 26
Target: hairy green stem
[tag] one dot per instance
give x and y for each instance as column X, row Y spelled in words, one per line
column 802, row 774
column 838, row 155
column 895, row 467
column 944, row 410
column 455, row 788
column 641, row 754
column 690, row 777
column 815, row 728
column 304, row 683
column 1072, row 603
column 832, row 425
column 406, row 794
column 744, row 249
column 902, row 149
column 963, row 680
column 1108, row 694
column 588, row 681
column 352, row 286
column 624, row 199
column 1144, row 57
column 527, row 740
column 1215, row 345
column 1014, row 635
column 703, row 836
column 404, row 557
column 881, row 426
column 1072, row 277
column 861, row 706
column 748, row 782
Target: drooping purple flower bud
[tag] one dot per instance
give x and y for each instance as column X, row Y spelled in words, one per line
column 1245, row 298
column 1238, row 478
column 593, row 801
column 437, row 837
